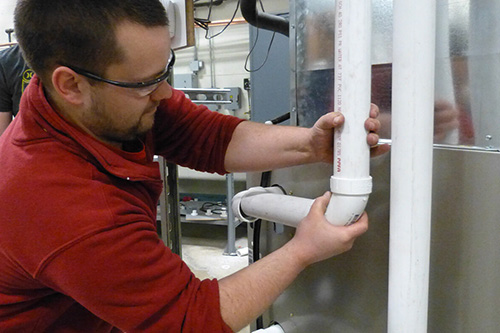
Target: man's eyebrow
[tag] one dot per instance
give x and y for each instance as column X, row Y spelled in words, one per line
column 154, row 76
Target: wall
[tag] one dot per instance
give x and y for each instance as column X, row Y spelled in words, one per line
column 230, row 50
column 6, row 18
column 229, row 53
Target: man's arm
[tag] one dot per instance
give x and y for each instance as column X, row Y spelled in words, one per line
column 249, row 292
column 5, row 119
column 259, row 147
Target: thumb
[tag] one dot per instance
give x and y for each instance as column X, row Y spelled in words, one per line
column 320, row 204
column 330, row 120
column 359, row 227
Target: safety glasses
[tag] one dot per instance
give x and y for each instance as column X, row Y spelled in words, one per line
column 142, row 89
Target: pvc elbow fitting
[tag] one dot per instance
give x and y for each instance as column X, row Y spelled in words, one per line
column 349, row 199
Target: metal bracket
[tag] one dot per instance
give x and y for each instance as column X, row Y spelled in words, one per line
column 229, row 98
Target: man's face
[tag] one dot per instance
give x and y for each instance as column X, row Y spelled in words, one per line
column 118, row 114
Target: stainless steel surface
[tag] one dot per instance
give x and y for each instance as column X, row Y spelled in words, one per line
column 312, row 42
column 465, row 250
column 313, row 65
column 349, row 293
column 467, row 65
column 484, row 70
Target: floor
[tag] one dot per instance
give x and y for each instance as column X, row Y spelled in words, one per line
column 203, row 248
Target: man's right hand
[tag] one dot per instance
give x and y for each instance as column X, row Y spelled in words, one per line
column 316, row 239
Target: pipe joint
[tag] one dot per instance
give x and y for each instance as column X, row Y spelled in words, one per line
column 359, row 186
column 344, row 210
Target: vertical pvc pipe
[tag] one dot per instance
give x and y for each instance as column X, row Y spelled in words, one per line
column 351, row 182
column 411, row 164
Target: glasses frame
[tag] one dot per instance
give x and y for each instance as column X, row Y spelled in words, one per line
column 131, row 85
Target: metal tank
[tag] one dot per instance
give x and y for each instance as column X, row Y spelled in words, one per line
column 349, row 293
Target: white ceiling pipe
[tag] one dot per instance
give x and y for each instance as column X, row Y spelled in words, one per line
column 351, row 183
column 411, row 164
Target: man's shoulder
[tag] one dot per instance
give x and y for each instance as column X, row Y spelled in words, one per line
column 10, row 54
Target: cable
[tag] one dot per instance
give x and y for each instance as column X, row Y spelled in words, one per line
column 251, row 50
column 214, row 207
column 202, row 23
column 265, row 181
column 255, row 44
column 227, row 25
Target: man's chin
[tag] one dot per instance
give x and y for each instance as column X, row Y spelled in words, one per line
column 146, row 124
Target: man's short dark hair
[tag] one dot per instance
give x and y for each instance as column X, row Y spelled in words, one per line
column 78, row 32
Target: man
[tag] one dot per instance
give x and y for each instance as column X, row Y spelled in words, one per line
column 79, row 249
column 14, row 77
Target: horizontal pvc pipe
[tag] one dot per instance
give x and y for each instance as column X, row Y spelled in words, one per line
column 411, row 164
column 271, row 329
column 270, row 204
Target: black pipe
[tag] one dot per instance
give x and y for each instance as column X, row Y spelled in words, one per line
column 208, row 3
column 265, row 181
column 281, row 118
column 264, row 20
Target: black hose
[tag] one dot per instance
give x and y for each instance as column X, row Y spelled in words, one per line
column 265, row 181
column 208, row 3
column 264, row 20
column 280, row 119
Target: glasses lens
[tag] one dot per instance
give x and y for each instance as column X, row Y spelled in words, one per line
column 148, row 90
column 145, row 91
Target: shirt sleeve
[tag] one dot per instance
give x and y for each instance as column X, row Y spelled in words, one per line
column 127, row 277
column 191, row 135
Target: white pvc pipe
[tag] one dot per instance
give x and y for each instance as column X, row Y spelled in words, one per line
column 351, row 183
column 270, row 204
column 411, row 164
column 271, row 329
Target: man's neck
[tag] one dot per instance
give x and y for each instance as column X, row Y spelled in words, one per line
column 68, row 117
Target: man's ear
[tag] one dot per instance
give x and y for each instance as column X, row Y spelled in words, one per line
column 70, row 86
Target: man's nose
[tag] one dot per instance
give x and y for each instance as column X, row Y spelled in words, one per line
column 164, row 91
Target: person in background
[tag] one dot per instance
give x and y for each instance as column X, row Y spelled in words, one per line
column 79, row 249
column 14, row 78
